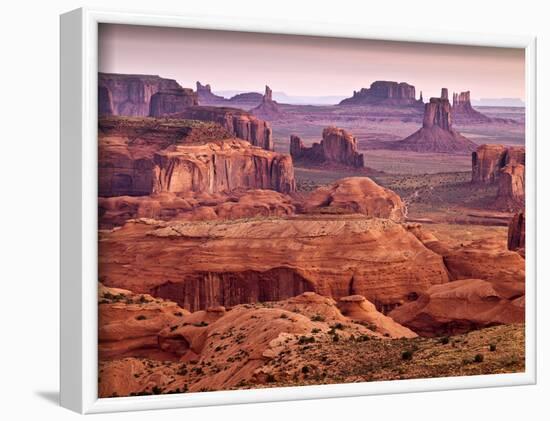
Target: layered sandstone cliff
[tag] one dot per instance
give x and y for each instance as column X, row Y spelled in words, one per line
column 337, row 146
column 271, row 259
column 130, row 95
column 437, row 133
column 241, row 123
column 139, row 156
column 166, row 102
column 384, row 93
column 221, row 167
column 489, row 159
column 511, row 187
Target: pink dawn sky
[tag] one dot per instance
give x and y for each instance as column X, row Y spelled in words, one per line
column 300, row 65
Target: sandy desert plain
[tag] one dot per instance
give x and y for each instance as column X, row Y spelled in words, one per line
column 246, row 243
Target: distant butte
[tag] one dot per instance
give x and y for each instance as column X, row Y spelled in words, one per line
column 268, row 109
column 437, row 134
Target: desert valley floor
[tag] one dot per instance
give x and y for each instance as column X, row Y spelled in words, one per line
column 245, row 243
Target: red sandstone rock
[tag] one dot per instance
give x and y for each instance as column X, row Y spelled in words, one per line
column 437, row 134
column 221, row 167
column 338, row 146
column 511, row 188
column 241, row 123
column 206, row 97
column 130, row 95
column 127, row 147
column 270, row 259
column 359, row 309
column 516, row 233
column 267, row 109
column 384, row 93
column 130, row 323
column 463, row 112
column 172, row 101
column 457, row 307
column 356, row 195
column 489, row 159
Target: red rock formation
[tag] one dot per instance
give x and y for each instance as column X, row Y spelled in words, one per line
column 487, row 161
column 337, row 147
column 129, row 324
column 267, row 109
column 359, row 309
column 384, row 93
column 130, row 95
column 437, row 134
column 206, row 97
column 511, row 187
column 241, row 123
column 172, row 101
column 463, row 112
column 127, row 147
column 221, row 167
column 356, row 195
column 115, row 211
column 270, row 259
column 247, row 100
column 457, row 307
column 516, row 233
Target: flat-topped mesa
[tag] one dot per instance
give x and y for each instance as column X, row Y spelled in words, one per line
column 221, row 167
column 171, row 101
column 489, row 159
column 128, row 94
column 267, row 109
column 384, row 93
column 337, row 147
column 206, row 97
column 437, row 133
column 241, row 124
column 463, row 112
column 192, row 155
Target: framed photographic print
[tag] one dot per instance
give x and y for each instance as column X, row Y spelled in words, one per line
column 265, row 211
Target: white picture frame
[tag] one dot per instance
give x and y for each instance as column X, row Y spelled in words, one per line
column 79, row 360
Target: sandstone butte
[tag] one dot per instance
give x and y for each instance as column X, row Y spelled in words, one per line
column 463, row 112
column 437, row 133
column 166, row 102
column 241, row 124
column 504, row 166
column 385, row 93
column 139, row 156
column 246, row 336
column 267, row 109
column 458, row 307
column 489, row 159
column 130, row 95
column 221, row 167
column 355, row 195
column 337, row 146
column 269, row 260
column 245, row 100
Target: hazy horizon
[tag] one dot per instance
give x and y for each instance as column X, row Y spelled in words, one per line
column 307, row 66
